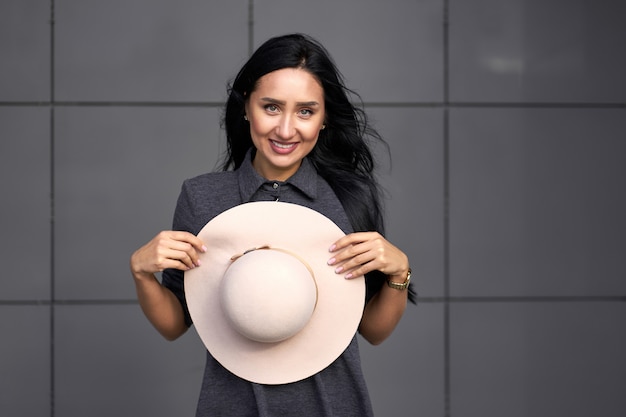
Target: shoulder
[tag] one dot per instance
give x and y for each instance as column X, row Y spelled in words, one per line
column 204, row 197
column 211, row 186
column 211, row 180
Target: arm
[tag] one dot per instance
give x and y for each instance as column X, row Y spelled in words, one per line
column 168, row 249
column 359, row 253
column 383, row 313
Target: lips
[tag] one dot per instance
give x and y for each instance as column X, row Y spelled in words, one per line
column 282, row 147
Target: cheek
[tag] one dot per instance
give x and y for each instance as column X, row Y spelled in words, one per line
column 261, row 125
column 256, row 129
column 311, row 134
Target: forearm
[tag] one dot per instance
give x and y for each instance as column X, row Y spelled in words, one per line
column 167, row 250
column 160, row 306
column 382, row 314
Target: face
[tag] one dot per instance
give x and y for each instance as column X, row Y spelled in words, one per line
column 286, row 114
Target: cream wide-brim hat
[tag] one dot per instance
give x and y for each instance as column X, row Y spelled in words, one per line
column 264, row 301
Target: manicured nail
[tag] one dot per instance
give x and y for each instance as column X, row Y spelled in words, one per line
column 204, row 248
column 331, row 261
column 332, row 248
column 349, row 275
column 338, row 269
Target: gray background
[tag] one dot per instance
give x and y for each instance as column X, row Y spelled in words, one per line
column 506, row 120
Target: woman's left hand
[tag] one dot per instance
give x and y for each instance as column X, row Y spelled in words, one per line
column 359, row 253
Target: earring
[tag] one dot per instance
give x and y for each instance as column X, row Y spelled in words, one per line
column 323, row 127
column 245, row 117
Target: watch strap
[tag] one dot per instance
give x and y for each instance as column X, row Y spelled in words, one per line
column 400, row 285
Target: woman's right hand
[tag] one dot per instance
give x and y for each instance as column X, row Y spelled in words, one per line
column 168, row 249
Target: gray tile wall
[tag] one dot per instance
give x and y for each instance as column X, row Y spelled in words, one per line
column 506, row 121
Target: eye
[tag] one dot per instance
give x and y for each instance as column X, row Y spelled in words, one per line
column 305, row 113
column 272, row 108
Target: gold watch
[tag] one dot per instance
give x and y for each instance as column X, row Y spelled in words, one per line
column 400, row 286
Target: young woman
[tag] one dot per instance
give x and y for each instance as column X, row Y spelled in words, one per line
column 293, row 135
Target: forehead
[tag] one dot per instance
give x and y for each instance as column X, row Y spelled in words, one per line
column 289, row 81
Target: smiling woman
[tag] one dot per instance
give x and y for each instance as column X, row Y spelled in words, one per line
column 292, row 135
column 286, row 114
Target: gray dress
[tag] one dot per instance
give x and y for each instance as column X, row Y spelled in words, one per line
column 338, row 390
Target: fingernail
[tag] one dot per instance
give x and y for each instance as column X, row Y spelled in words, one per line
column 338, row 269
column 331, row 261
column 332, row 248
column 349, row 276
column 199, row 262
column 204, row 248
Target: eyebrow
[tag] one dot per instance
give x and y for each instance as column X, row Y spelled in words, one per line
column 282, row 103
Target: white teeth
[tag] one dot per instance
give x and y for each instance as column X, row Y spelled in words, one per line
column 283, row 145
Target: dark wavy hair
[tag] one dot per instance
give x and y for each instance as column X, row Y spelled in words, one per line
column 342, row 155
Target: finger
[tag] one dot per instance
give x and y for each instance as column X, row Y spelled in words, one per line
column 169, row 263
column 181, row 252
column 371, row 255
column 166, row 250
column 351, row 239
column 190, row 238
column 187, row 243
column 359, row 265
column 359, row 270
column 352, row 251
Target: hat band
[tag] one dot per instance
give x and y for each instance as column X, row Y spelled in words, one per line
column 288, row 252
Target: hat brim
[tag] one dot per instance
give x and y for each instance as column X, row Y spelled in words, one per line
column 335, row 319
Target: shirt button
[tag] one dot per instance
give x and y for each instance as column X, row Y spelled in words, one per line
column 275, row 185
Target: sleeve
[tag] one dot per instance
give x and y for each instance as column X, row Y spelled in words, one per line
column 174, row 279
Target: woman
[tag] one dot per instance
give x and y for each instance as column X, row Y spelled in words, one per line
column 293, row 135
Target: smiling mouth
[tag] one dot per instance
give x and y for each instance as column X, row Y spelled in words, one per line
column 283, row 145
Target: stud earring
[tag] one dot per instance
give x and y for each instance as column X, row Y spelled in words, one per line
column 245, row 117
column 323, row 127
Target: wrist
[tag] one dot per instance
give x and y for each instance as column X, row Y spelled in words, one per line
column 140, row 275
column 400, row 282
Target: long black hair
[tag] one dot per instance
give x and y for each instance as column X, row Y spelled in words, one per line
column 342, row 155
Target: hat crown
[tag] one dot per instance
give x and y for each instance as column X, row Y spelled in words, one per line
column 268, row 295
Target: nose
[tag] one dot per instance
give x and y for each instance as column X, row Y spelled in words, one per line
column 286, row 127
